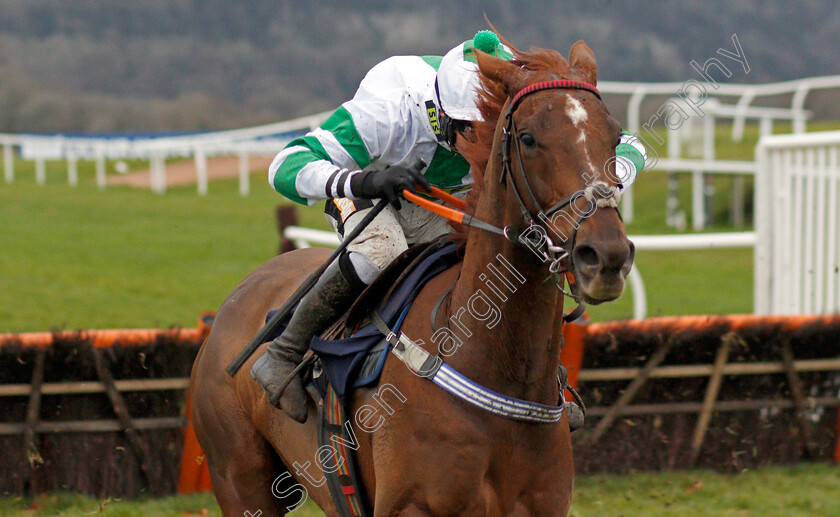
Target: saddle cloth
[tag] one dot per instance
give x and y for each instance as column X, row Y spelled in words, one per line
column 343, row 359
column 358, row 360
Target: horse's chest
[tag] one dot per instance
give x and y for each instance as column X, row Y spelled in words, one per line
column 436, row 456
column 482, row 476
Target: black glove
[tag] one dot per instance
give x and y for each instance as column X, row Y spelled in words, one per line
column 387, row 183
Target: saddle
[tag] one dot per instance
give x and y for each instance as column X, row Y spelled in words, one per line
column 352, row 351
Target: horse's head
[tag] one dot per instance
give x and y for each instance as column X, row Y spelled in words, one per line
column 557, row 159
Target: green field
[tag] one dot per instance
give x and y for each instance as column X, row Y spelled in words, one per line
column 80, row 258
column 796, row 491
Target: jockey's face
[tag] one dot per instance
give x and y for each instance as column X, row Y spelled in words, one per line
column 465, row 146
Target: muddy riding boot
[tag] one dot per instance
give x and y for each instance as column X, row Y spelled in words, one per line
column 325, row 302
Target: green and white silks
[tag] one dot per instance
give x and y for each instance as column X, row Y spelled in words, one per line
column 391, row 120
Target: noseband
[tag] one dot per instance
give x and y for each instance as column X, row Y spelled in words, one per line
column 599, row 193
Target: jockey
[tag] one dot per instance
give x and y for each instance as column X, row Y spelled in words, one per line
column 406, row 125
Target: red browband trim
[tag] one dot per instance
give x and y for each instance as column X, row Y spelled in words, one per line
column 548, row 85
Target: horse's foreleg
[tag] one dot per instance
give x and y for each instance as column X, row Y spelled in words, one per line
column 243, row 466
column 243, row 481
column 235, row 500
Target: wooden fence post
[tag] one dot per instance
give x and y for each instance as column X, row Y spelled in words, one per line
column 286, row 216
column 33, row 410
column 711, row 396
column 138, row 445
column 837, row 447
column 798, row 395
column 632, row 389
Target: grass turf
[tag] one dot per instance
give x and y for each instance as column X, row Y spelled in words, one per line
column 792, row 491
column 78, row 258
column 81, row 258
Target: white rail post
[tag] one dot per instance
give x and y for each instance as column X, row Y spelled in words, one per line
column 40, row 171
column 72, row 170
column 672, row 201
column 634, row 126
column 707, row 181
column 157, row 171
column 627, row 204
column 8, row 163
column 737, row 207
column 765, row 127
column 100, row 168
column 244, row 174
column 639, row 295
column 741, row 114
column 634, row 106
column 698, row 213
column 798, row 104
column 762, row 278
column 201, row 171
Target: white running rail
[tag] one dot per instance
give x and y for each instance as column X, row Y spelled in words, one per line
column 306, row 237
column 266, row 140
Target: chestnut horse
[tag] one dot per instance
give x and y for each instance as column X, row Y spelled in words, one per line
column 431, row 453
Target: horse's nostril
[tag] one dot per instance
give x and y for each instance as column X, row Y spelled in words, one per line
column 631, row 256
column 586, row 256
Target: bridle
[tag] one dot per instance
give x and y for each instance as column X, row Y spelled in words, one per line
column 598, row 193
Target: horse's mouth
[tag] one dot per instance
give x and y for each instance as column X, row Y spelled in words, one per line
column 602, row 288
column 600, row 273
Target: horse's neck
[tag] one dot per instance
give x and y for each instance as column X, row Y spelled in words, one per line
column 509, row 313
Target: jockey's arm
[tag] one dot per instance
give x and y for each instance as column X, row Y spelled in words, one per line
column 372, row 131
column 321, row 164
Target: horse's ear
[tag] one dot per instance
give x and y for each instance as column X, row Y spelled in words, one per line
column 500, row 71
column 582, row 59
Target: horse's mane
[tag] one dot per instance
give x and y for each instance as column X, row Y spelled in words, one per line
column 491, row 99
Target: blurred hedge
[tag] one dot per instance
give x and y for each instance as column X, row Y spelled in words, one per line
column 100, row 464
column 735, row 440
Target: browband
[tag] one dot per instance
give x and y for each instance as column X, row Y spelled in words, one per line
column 549, row 85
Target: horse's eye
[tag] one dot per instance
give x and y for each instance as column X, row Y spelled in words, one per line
column 528, row 139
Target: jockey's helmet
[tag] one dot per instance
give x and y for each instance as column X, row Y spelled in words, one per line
column 457, row 78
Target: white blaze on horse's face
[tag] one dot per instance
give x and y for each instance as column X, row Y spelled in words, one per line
column 578, row 115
